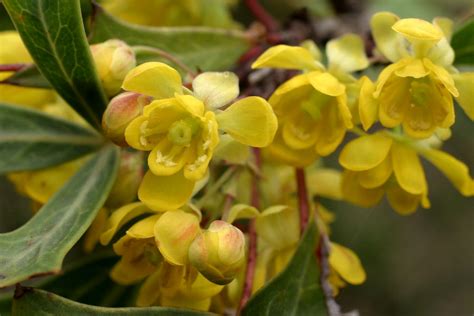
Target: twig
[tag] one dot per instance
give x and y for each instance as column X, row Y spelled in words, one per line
column 262, row 15
column 303, row 200
column 252, row 255
column 13, row 67
column 140, row 48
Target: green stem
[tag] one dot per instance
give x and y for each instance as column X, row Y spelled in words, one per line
column 216, row 186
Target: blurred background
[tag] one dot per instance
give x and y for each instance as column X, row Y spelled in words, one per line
column 418, row 265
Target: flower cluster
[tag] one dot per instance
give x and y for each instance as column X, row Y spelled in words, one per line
column 179, row 215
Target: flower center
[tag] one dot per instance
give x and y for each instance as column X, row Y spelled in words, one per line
column 315, row 104
column 181, row 132
column 420, row 91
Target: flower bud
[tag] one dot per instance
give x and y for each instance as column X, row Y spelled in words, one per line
column 120, row 112
column 113, row 59
column 218, row 252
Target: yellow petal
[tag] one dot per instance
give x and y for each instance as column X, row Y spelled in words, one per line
column 280, row 152
column 357, row 194
column 174, row 232
column 401, row 201
column 408, row 169
column 368, row 105
column 442, row 53
column 216, row 89
column 347, row 53
column 120, row 217
column 346, row 263
column 456, row 171
column 163, row 193
column 150, row 290
column 465, row 85
column 376, row 176
column 414, row 68
column 416, row 29
column 394, row 101
column 286, row 57
column 279, row 226
column 298, row 81
column 144, row 228
column 133, row 134
column 388, row 41
column 240, row 211
column 445, row 25
column 365, row 152
column 191, row 104
column 313, row 49
column 326, row 83
column 196, row 169
column 332, row 127
column 92, row 235
column 154, row 79
column 231, row 151
column 167, row 159
column 442, row 75
column 250, row 121
column 325, row 182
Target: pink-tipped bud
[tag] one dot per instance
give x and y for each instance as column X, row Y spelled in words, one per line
column 120, row 112
column 218, row 252
column 113, row 59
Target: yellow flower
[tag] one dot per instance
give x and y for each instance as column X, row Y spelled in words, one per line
column 384, row 162
column 417, row 89
column 345, row 267
column 156, row 249
column 312, row 107
column 181, row 128
column 278, row 232
column 13, row 51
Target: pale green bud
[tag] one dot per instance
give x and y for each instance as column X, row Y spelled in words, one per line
column 120, row 112
column 218, row 253
column 113, row 60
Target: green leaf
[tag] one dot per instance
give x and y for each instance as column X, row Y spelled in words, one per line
column 30, row 139
column 198, row 47
column 463, row 44
column 5, row 23
column 39, row 246
column 54, row 35
column 296, row 290
column 28, row 77
column 36, row 302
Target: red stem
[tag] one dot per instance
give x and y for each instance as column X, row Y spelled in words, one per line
column 252, row 256
column 303, row 200
column 12, row 67
column 262, row 15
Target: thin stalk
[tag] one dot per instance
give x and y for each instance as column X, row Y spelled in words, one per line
column 262, row 15
column 168, row 56
column 228, row 201
column 216, row 186
column 252, row 254
column 303, row 200
column 12, row 67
